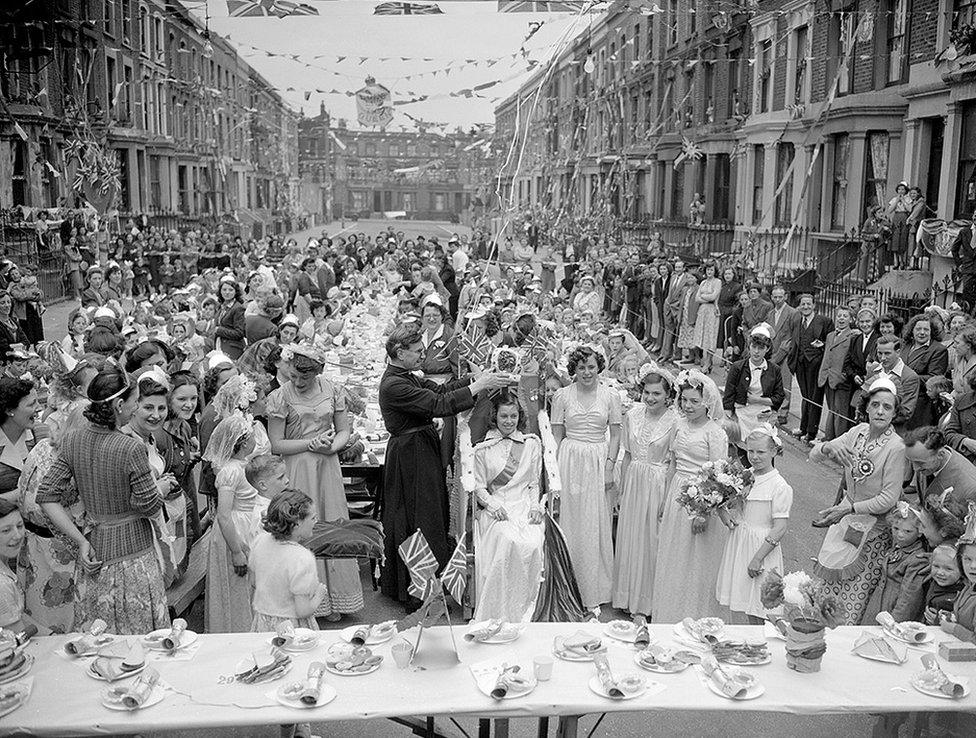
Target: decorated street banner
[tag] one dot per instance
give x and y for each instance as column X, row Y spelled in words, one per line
column 261, row 8
column 374, row 105
column 403, row 8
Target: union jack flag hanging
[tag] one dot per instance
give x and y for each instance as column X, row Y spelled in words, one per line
column 264, row 8
column 455, row 574
column 420, row 562
column 407, row 9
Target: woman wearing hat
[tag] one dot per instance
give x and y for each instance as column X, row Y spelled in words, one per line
column 230, row 329
column 873, row 458
column 587, row 299
column 308, row 425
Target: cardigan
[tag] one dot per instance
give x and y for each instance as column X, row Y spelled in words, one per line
column 737, row 385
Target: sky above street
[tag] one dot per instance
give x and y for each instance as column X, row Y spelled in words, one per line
column 472, row 31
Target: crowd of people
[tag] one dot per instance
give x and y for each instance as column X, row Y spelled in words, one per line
column 205, row 396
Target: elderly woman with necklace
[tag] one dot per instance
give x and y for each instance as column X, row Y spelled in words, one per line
column 415, row 488
column 308, row 425
column 873, row 458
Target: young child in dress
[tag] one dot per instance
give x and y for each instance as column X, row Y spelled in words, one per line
column 947, row 582
column 901, row 590
column 757, row 529
column 962, row 622
column 282, row 569
column 228, row 594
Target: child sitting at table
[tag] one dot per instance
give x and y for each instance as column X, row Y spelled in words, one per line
column 947, row 582
column 962, row 622
column 282, row 569
column 901, row 590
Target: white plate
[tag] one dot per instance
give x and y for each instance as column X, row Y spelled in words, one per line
column 627, row 637
column 24, row 668
column 104, row 639
column 154, row 640
column 559, row 653
column 597, row 686
column 247, row 663
column 155, row 697
column 312, row 641
column 90, row 672
column 733, row 662
column 936, row 693
column 882, row 660
column 533, row 683
column 927, row 636
column 682, row 665
column 326, row 695
column 337, row 672
column 508, row 633
column 681, row 633
column 752, row 692
column 22, row 698
column 346, row 634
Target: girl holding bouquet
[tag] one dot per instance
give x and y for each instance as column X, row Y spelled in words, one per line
column 757, row 527
column 690, row 547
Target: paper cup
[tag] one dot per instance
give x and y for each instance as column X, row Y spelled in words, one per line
column 543, row 668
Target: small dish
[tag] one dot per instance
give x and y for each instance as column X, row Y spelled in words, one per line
column 112, row 700
column 597, row 686
column 287, row 695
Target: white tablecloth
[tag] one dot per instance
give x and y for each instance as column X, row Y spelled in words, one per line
column 66, row 701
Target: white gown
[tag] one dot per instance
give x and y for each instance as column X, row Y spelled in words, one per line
column 508, row 555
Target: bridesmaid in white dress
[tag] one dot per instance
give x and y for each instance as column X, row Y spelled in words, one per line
column 647, row 433
column 508, row 532
column 586, row 420
column 689, row 551
column 757, row 529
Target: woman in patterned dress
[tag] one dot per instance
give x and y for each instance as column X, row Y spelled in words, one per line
column 119, row 572
column 586, row 419
column 308, row 426
column 857, row 539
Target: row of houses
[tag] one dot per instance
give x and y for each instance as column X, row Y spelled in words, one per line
column 774, row 115
column 187, row 126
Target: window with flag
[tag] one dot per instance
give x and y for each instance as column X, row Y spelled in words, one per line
column 840, row 45
column 758, row 182
column 897, row 38
column 785, row 154
column 841, row 145
column 875, row 170
column 764, row 75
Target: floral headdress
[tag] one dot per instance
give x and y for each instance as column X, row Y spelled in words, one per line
column 292, row 350
column 711, row 397
column 769, row 431
column 904, row 510
column 237, row 394
column 653, row 368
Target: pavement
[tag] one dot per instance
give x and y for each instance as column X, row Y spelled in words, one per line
column 814, row 487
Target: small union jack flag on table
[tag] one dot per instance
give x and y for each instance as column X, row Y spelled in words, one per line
column 455, row 574
column 420, row 562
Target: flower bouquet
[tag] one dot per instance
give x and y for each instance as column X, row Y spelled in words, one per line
column 716, row 485
column 807, row 610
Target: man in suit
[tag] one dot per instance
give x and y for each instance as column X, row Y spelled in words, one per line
column 902, row 376
column 861, row 349
column 939, row 470
column 672, row 309
column 831, row 375
column 809, row 339
column 928, row 358
column 783, row 319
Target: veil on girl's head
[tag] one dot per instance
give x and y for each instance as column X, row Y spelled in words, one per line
column 220, row 448
column 235, row 395
column 711, row 397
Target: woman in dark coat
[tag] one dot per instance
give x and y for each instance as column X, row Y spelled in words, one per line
column 728, row 301
column 230, row 328
column 414, row 483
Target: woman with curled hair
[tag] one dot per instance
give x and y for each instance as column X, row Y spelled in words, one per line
column 415, row 488
column 586, row 418
column 873, row 458
column 964, row 366
column 178, row 443
column 508, row 531
column 927, row 357
column 18, row 417
column 147, row 354
column 229, row 329
column 119, row 573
